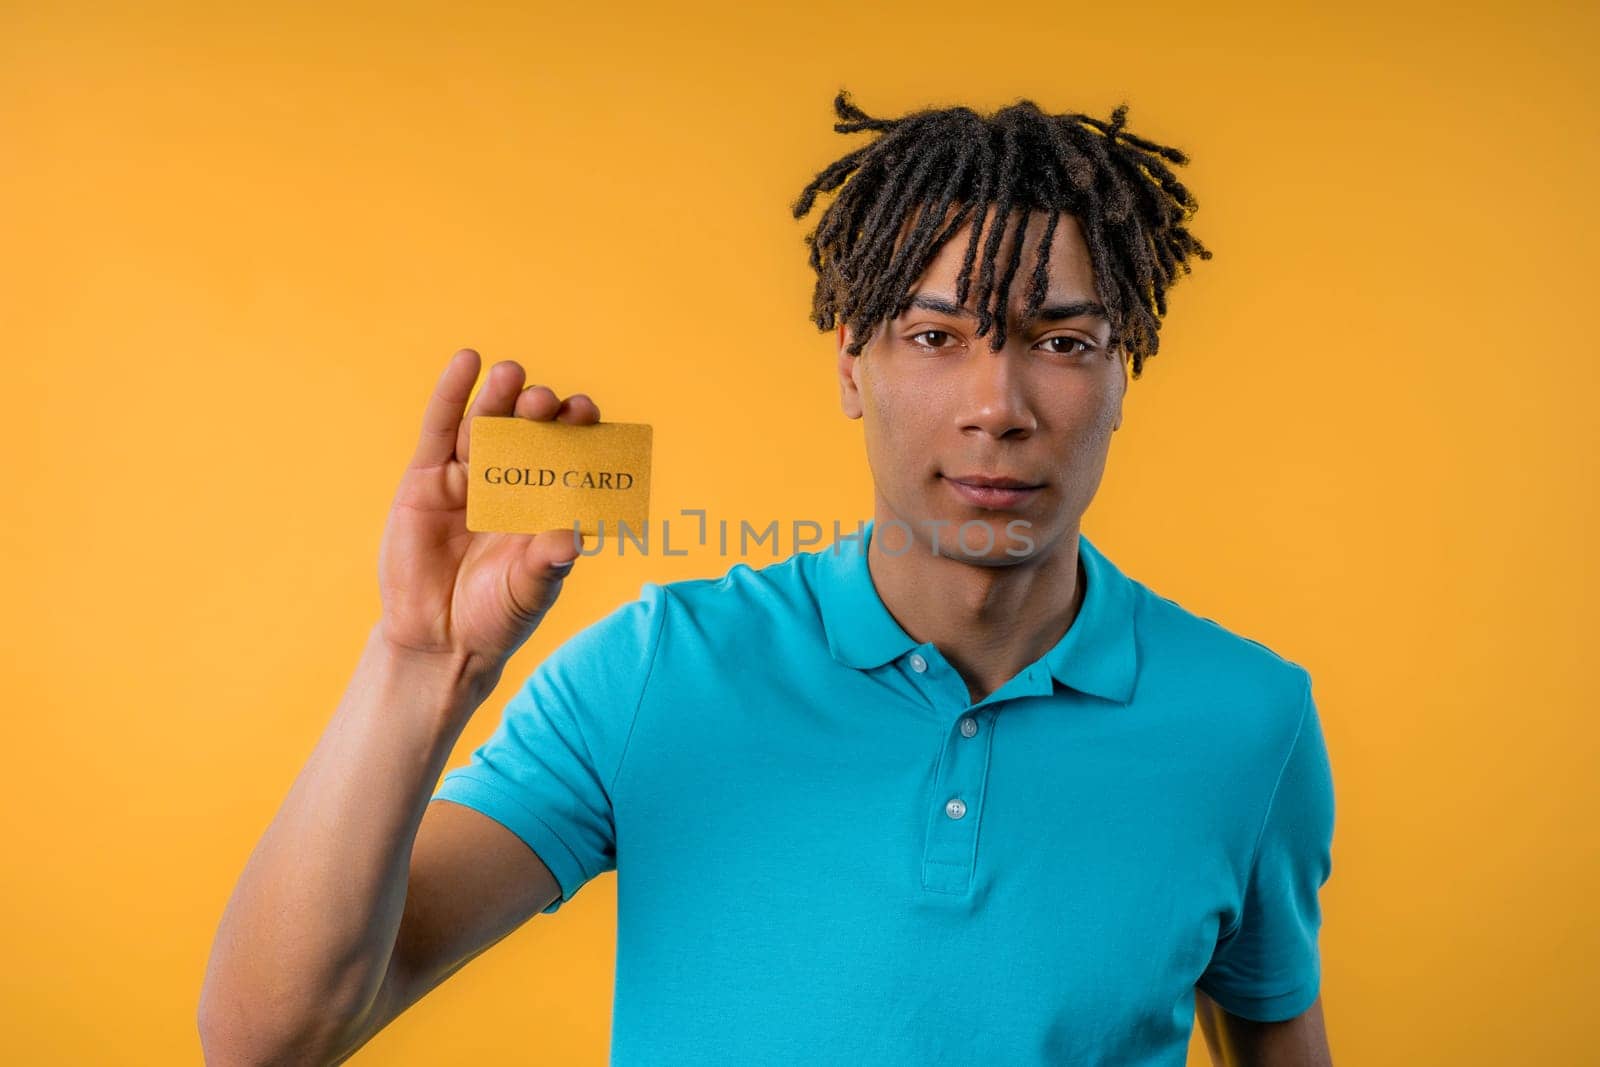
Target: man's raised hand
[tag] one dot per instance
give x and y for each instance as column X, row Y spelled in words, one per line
column 449, row 590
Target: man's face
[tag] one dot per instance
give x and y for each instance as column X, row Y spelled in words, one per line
column 943, row 413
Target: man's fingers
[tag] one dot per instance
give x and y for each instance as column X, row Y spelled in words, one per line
column 538, row 402
column 497, row 396
column 579, row 410
column 441, row 421
column 447, row 434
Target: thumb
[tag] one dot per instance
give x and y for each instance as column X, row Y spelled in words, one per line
column 536, row 576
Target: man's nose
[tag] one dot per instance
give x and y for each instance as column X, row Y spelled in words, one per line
column 995, row 400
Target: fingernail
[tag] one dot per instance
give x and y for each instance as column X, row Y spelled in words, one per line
column 562, row 568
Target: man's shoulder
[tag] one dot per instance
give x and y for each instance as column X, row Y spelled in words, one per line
column 688, row 623
column 746, row 593
column 1244, row 698
column 1210, row 652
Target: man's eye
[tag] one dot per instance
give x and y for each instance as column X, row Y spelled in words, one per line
column 1070, row 341
column 929, row 333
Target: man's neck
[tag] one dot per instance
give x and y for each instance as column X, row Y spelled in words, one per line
column 989, row 622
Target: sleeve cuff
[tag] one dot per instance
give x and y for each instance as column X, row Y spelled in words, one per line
column 1269, row 1009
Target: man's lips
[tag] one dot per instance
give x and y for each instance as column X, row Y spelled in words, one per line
column 992, row 491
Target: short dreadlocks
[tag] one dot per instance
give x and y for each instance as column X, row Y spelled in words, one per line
column 1130, row 205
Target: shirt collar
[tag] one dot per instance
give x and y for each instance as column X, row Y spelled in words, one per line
column 1097, row 654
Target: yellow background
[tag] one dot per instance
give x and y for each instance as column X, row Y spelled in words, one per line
column 240, row 246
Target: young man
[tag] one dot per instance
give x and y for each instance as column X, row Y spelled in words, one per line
column 955, row 790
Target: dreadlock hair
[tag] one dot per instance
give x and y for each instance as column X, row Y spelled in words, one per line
column 1131, row 207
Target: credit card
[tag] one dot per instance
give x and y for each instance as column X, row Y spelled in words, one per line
column 527, row 476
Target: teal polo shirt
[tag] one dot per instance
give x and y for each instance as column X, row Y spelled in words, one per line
column 826, row 852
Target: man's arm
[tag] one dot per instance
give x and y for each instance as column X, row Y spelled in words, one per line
column 361, row 896
column 1238, row 1042
column 472, row 882
column 1267, row 962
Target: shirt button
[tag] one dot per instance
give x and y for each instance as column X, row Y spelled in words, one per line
column 969, row 726
column 918, row 664
column 955, row 809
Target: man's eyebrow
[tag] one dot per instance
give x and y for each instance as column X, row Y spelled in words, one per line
column 1049, row 313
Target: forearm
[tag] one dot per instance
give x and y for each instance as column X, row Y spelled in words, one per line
column 305, row 941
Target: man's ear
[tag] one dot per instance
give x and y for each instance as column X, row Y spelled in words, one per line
column 849, row 388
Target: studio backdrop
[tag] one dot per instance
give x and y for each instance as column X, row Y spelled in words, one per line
column 242, row 242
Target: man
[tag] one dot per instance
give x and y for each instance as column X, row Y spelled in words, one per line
column 952, row 790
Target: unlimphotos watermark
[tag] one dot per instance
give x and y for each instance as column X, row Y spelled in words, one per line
column 974, row 537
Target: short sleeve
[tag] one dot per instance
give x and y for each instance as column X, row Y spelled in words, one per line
column 1268, row 967
column 547, row 771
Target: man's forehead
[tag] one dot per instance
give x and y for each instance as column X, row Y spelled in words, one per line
column 1067, row 264
column 1067, row 245
column 1070, row 290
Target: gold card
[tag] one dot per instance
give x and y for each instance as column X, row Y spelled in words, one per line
column 527, row 476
